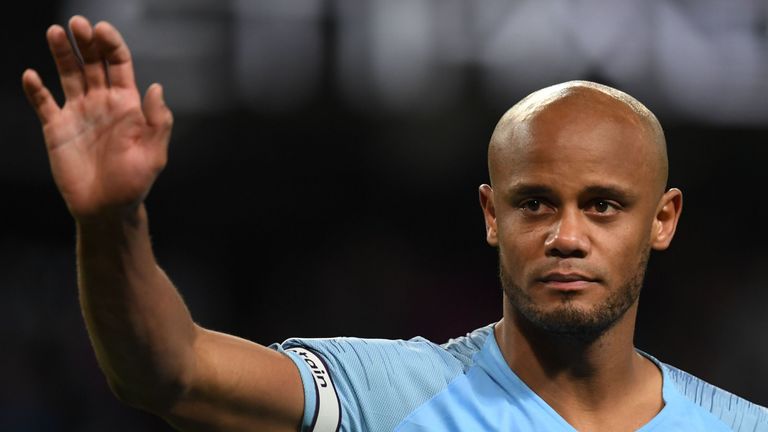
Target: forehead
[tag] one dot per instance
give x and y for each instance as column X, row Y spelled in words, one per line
column 579, row 142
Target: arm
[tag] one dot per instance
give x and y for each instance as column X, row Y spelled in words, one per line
column 106, row 147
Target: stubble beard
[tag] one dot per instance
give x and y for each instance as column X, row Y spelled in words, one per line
column 570, row 321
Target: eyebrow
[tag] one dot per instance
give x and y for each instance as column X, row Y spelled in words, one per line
column 528, row 189
column 610, row 191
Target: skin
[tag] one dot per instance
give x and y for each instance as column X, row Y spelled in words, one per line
column 107, row 145
column 577, row 201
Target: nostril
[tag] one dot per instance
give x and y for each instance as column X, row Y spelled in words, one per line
column 572, row 253
column 568, row 239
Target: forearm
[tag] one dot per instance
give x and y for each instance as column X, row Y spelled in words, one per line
column 141, row 330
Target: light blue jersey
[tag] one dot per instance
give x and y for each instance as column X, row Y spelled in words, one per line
column 353, row 384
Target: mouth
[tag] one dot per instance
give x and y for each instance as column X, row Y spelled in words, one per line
column 567, row 281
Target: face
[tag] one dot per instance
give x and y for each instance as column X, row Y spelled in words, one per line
column 574, row 210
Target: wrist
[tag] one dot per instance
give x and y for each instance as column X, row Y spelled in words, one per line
column 123, row 217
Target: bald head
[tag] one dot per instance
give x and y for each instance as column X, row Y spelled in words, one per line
column 580, row 103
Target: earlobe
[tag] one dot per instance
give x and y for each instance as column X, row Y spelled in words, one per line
column 667, row 216
column 489, row 214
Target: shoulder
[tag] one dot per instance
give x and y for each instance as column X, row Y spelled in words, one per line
column 417, row 354
column 378, row 381
column 733, row 411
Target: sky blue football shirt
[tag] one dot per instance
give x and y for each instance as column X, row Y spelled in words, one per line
column 353, row 384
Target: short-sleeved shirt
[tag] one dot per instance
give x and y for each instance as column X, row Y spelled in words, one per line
column 353, row 384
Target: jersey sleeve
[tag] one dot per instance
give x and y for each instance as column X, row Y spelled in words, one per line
column 735, row 412
column 353, row 384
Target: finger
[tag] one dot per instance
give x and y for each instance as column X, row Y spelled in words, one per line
column 70, row 72
column 93, row 62
column 160, row 121
column 113, row 49
column 156, row 112
column 39, row 96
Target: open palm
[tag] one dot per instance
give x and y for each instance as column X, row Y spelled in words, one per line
column 105, row 146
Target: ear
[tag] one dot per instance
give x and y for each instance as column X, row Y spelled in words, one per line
column 489, row 213
column 665, row 221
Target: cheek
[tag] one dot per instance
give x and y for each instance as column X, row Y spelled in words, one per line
column 519, row 247
column 622, row 250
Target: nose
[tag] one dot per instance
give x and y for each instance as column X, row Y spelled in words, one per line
column 568, row 237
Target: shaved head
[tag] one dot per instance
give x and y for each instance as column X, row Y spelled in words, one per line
column 580, row 101
column 577, row 201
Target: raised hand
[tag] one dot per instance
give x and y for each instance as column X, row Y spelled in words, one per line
column 105, row 146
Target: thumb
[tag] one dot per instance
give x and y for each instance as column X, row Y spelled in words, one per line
column 155, row 110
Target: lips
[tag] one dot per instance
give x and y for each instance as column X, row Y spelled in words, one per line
column 566, row 277
column 567, row 281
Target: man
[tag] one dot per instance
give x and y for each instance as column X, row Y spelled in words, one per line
column 577, row 200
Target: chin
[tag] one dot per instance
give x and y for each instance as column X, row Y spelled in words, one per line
column 583, row 324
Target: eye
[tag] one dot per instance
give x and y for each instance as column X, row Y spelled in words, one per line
column 534, row 206
column 603, row 207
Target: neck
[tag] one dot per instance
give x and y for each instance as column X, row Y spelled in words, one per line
column 580, row 378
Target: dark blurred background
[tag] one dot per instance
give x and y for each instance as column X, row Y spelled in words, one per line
column 324, row 168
